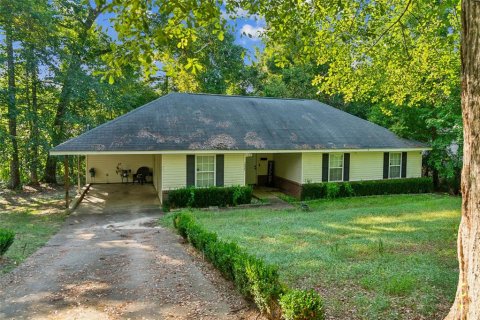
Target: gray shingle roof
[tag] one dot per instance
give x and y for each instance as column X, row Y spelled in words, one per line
column 183, row 121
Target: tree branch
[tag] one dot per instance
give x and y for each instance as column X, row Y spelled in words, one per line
column 404, row 39
column 393, row 24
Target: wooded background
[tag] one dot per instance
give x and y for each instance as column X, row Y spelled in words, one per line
column 395, row 63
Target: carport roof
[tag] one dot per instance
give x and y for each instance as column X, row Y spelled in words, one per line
column 194, row 122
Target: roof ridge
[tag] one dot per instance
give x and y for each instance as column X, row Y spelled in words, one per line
column 241, row 96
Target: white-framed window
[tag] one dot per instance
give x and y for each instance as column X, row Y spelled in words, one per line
column 395, row 165
column 335, row 167
column 205, row 171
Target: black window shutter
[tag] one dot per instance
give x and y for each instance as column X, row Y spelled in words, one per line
column 404, row 164
column 220, row 173
column 386, row 164
column 325, row 167
column 346, row 167
column 190, row 170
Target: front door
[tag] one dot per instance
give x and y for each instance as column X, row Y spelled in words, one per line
column 251, row 169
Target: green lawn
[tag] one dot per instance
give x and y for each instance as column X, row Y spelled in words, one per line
column 34, row 218
column 383, row 257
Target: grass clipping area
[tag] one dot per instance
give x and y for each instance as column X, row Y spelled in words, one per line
column 34, row 216
column 387, row 257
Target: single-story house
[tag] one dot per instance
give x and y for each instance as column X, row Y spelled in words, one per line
column 218, row 140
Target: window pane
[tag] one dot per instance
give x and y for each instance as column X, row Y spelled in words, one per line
column 199, row 163
column 336, row 160
column 205, row 171
column 205, row 179
column 336, row 174
column 394, row 171
column 211, row 180
column 395, row 159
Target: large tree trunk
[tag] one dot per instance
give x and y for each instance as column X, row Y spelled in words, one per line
column 467, row 300
column 435, row 179
column 32, row 77
column 14, row 181
column 57, row 132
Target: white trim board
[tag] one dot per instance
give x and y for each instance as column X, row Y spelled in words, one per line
column 74, row 153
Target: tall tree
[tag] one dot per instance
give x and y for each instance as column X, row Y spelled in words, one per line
column 81, row 25
column 31, row 93
column 158, row 24
column 221, row 68
column 7, row 12
column 38, row 41
column 467, row 299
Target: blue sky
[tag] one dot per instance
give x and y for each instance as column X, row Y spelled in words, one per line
column 250, row 25
column 243, row 23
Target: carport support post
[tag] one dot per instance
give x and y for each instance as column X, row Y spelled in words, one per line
column 67, row 181
column 79, row 187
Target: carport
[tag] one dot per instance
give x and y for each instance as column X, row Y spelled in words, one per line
column 113, row 169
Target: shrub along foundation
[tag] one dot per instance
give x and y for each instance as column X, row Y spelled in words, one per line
column 192, row 197
column 330, row 190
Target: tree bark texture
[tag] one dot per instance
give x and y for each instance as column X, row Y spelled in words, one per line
column 467, row 299
column 32, row 100
column 14, row 179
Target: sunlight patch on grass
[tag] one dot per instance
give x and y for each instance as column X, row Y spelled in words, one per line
column 33, row 223
column 406, row 217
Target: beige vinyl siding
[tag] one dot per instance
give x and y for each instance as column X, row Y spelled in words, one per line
column 289, row 166
column 414, row 164
column 366, row 166
column 106, row 165
column 234, row 170
column 174, row 171
column 312, row 167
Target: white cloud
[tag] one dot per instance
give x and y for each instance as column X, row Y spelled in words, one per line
column 239, row 13
column 254, row 32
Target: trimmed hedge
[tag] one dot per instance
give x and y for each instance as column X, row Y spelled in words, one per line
column 255, row 279
column 366, row 188
column 302, row 305
column 204, row 197
column 6, row 240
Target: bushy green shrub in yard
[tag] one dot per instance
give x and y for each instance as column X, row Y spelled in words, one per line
column 302, row 305
column 330, row 190
column 205, row 197
column 254, row 278
column 263, row 282
column 6, row 240
column 183, row 197
column 223, row 256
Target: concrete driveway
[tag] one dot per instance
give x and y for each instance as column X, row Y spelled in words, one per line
column 109, row 261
